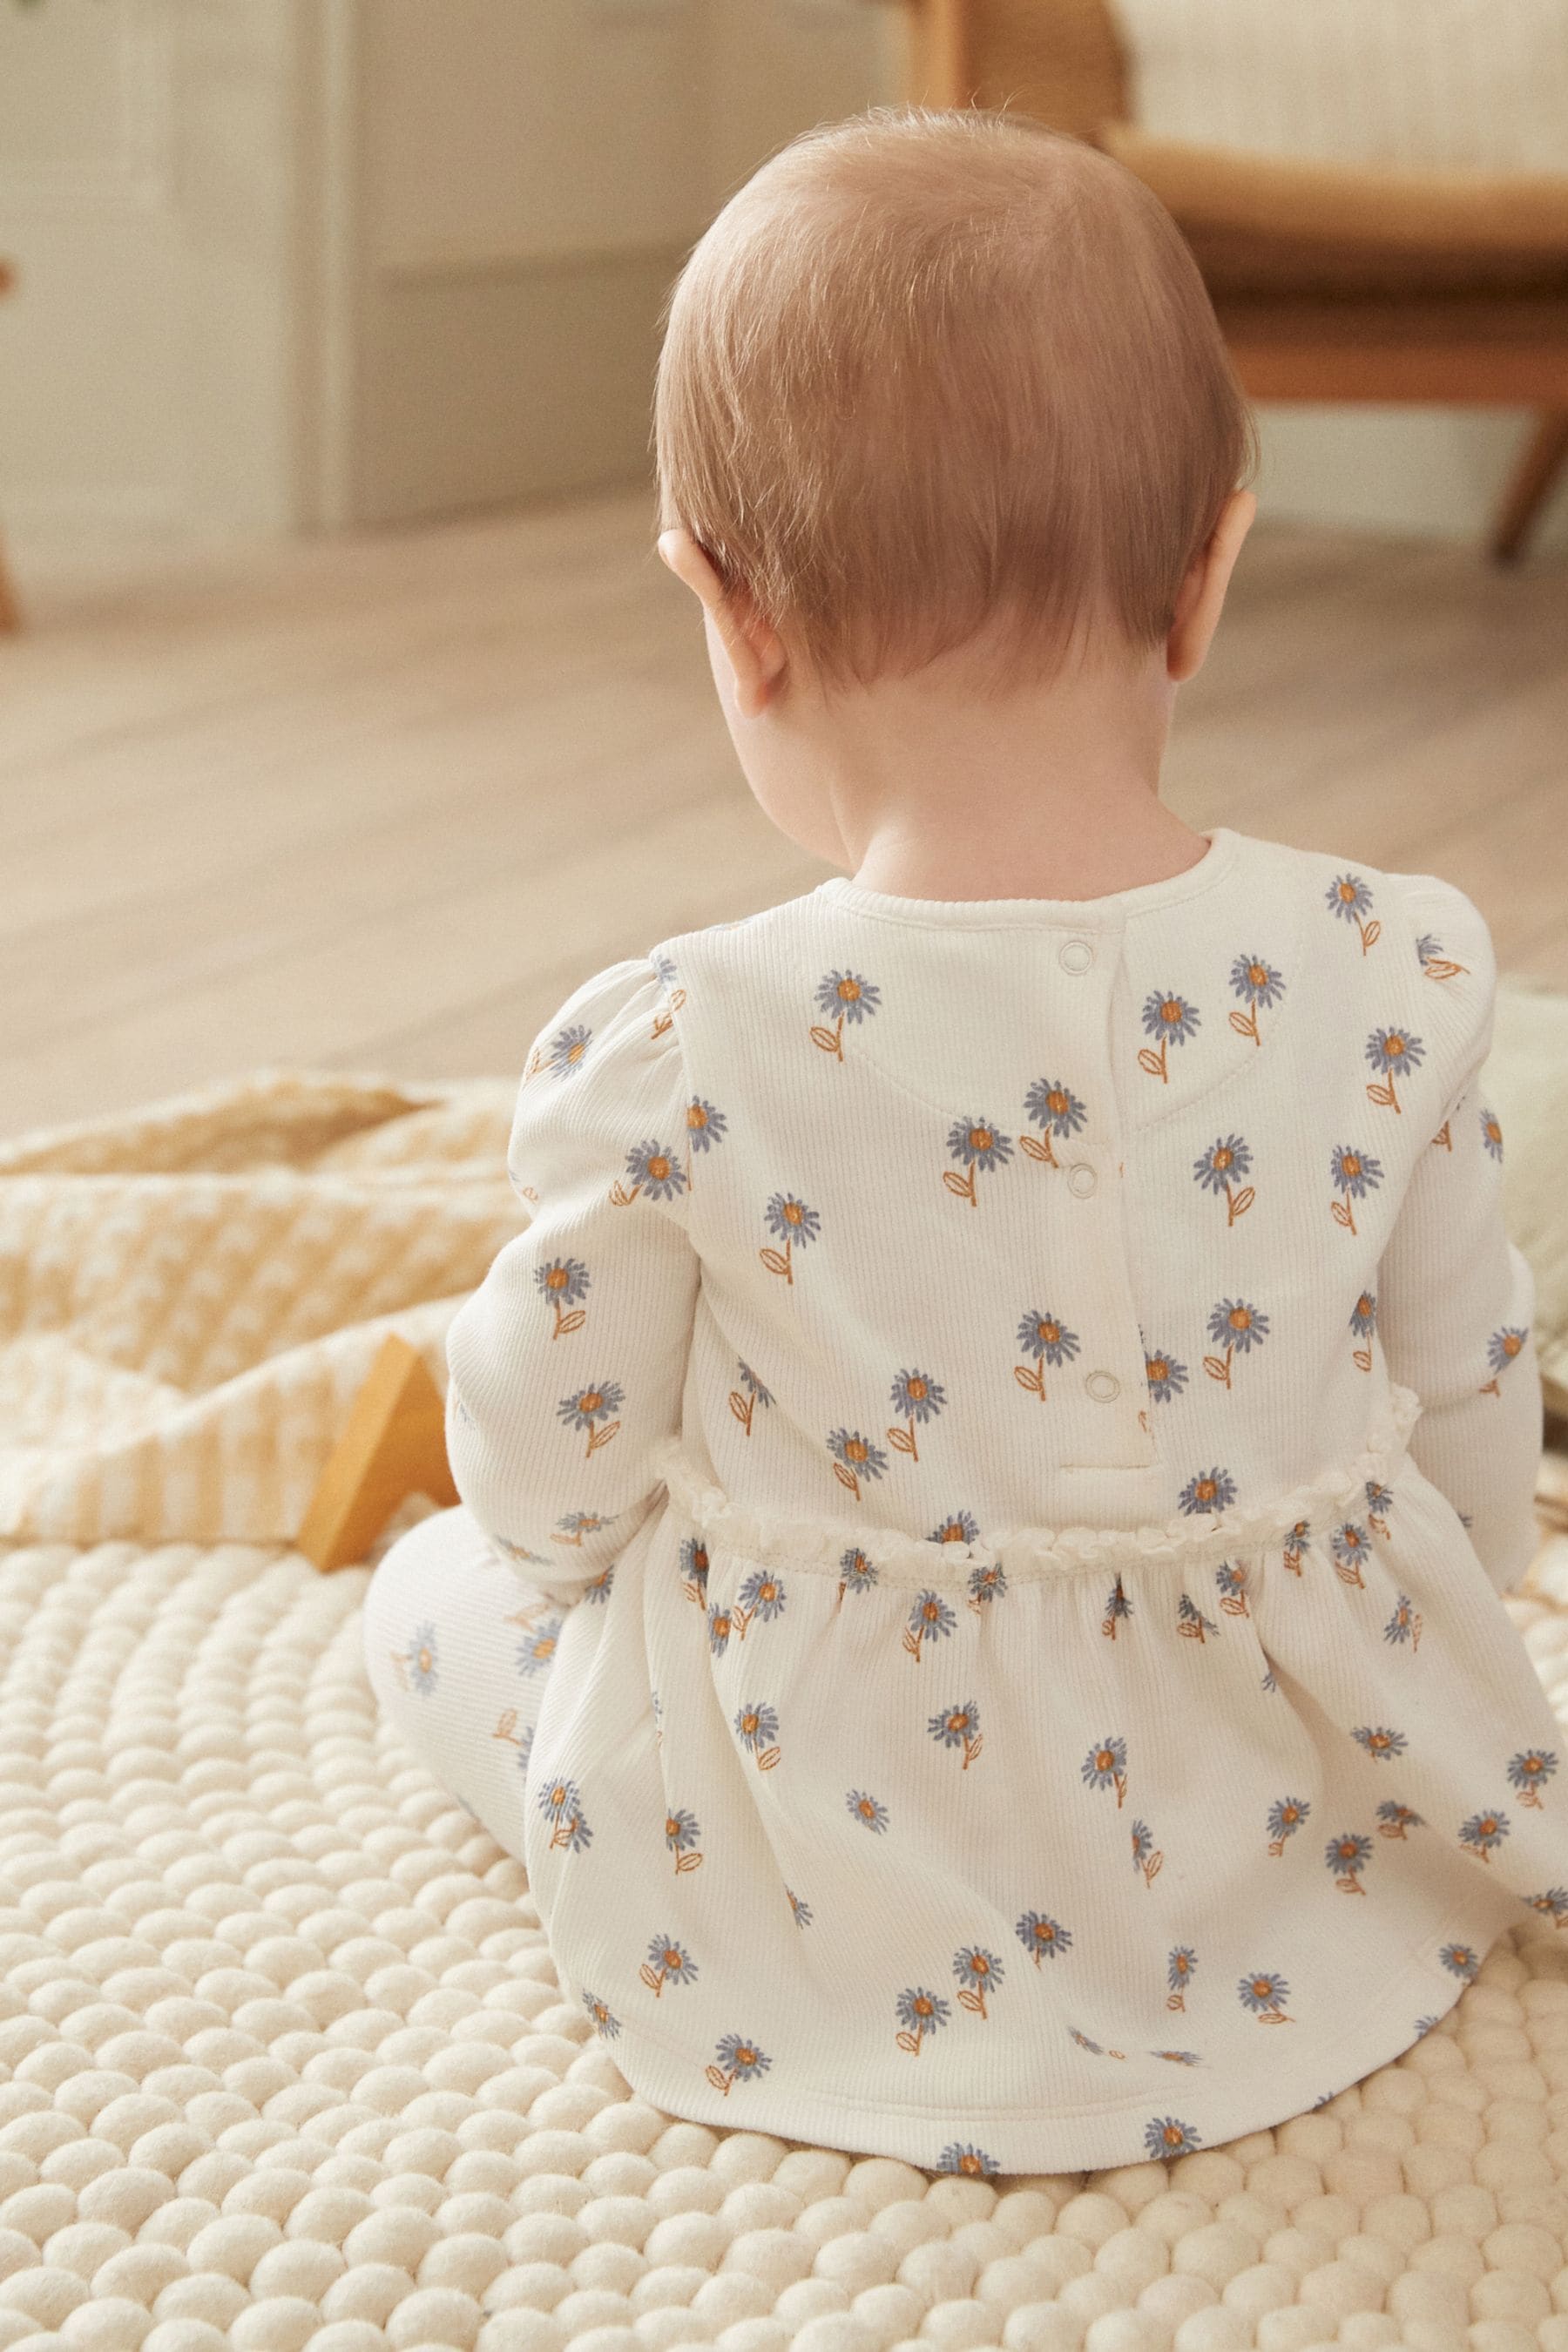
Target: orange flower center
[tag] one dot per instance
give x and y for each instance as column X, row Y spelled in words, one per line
column 1172, row 2135
column 1353, row 1539
column 1049, row 1332
column 1364, row 1306
column 1394, row 1045
column 558, row 1794
column 1157, row 1368
column 658, row 1166
column 928, row 1610
column 1057, row 1101
column 748, row 1722
column 1489, row 1825
column 959, row 1722
column 766, row 1592
column 1257, row 973
column 1347, row 1850
column 1206, row 1490
column 855, row 1449
column 696, row 1117
column 672, row 1826
column 1103, row 1758
column 722, row 1622
column 867, row 1808
column 1351, row 1162
column 953, row 1532
column 792, row 1213
column 1262, row 1988
column 1240, row 1319
column 1494, row 1132
column 427, row 1661
column 916, row 1388
column 1223, row 1155
column 979, row 1966
column 574, row 1051
column 1171, row 1011
column 1511, row 1343
column 969, row 2164
column 981, row 1139
column 921, row 2004
column 557, row 1279
column 1531, row 1764
column 590, row 1401
column 848, row 990
column 1045, row 1933
column 745, row 2056
column 1347, row 893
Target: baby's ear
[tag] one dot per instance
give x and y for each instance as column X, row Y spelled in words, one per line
column 1202, row 597
column 752, row 647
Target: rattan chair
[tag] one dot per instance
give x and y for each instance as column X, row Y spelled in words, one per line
column 1332, row 283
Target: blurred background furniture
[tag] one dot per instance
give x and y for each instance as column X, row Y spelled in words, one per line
column 1333, row 280
column 10, row 612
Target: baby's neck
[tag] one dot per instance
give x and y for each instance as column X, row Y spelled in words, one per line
column 1051, row 791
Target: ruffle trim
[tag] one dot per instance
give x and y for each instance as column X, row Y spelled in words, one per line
column 1207, row 1539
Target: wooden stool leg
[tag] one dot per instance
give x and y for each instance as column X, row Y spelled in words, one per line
column 10, row 611
column 395, row 1445
column 1527, row 492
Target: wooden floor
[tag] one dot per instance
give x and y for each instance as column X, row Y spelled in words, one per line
column 378, row 804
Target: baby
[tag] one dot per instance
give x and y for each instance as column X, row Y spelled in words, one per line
column 988, row 1479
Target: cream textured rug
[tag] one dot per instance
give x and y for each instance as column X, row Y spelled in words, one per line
column 282, row 2057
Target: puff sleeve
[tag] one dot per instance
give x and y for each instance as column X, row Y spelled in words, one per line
column 567, row 1365
column 1454, row 1297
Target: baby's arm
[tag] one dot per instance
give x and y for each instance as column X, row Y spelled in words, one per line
column 1455, row 1297
column 568, row 1364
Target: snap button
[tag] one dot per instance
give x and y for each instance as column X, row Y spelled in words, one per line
column 1102, row 1387
column 1082, row 1179
column 1075, row 955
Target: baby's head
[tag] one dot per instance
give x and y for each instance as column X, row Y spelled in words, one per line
column 938, row 388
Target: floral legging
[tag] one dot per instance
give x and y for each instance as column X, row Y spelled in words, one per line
column 458, row 1651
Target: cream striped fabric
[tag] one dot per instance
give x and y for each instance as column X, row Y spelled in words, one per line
column 1455, row 84
column 190, row 1296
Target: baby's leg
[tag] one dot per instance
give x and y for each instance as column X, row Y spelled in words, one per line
column 458, row 1650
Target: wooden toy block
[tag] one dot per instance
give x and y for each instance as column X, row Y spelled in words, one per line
column 395, row 1445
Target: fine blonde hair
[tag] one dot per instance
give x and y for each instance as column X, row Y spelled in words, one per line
column 929, row 376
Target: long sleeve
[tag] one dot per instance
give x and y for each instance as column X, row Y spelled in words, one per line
column 1454, row 1297
column 567, row 1365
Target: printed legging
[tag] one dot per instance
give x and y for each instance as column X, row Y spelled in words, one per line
column 458, row 1652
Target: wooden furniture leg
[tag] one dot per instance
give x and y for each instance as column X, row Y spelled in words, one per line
column 1527, row 493
column 395, row 1445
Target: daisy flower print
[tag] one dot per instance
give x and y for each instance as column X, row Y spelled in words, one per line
column 980, row 1148
column 795, row 1225
column 1491, row 1133
column 1354, row 1174
column 1502, row 1349
column 653, row 1172
column 1208, row 1490
column 592, row 1410
column 843, row 997
column 564, row 1054
column 1529, row 1772
column 1166, row 1376
column 1363, row 1324
column 1350, row 898
column 1434, row 965
column 705, row 1127
column 1171, row 1019
column 745, row 1399
column 564, row 1285
column 1221, row 1170
column 854, row 1458
column 1046, row 1338
column 1237, row 1327
column 1393, row 1054
column 1259, row 986
column 916, row 1397
column 1056, row 1111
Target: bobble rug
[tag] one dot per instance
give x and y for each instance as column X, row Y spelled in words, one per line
column 283, row 2061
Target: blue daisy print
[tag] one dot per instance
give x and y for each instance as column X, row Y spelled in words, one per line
column 1434, row 965
column 1379, row 1741
column 1491, row 1134
column 568, row 1050
column 757, row 1728
column 1363, row 1325
column 981, row 1148
column 1265, row 1993
column 598, row 1589
column 1237, row 1327
column 869, row 1811
column 721, row 1625
column 978, row 1971
column 1172, row 1020
column 1047, row 1338
column 1117, row 1608
column 1095, row 2049
column 1286, row 1816
column 1056, row 1111
column 1502, row 1349
column 1177, row 2057
column 1259, row 986
column 843, row 997
column 563, row 1285
column 1553, row 1905
column 668, row 977
column 1222, row 1168
column 964, row 2158
column 1350, row 898
column 562, row 1804
column 959, row 1727
column 919, row 2012
column 795, row 1225
column 856, row 1572
column 1350, row 1545
column 592, row 1409
column 600, row 2016
column 1395, row 1053
column 1529, row 1772
column 1355, row 1174
column 1191, row 1622
column 958, row 1527
column 1231, row 1576
column 1207, row 1491
column 577, row 1525
column 737, row 2059
column 854, row 1458
column 1146, row 1858
column 1165, row 1376
column 987, row 1582
column 706, row 1126
column 1181, row 1966
column 1105, row 1766
column 1461, row 1960
column 1297, row 1544
column 652, row 1169
column 681, row 1832
column 536, row 1650
column 1043, row 1938
column 1165, row 2137
column 745, row 1399
column 418, row 1662
column 931, row 1619
column 762, row 1595
column 667, row 1962
column 1379, row 1503
column 1347, row 1856
column 918, row 1398
column 1483, row 1833
column 1394, row 1820
column 800, row 1909
column 1405, row 1624
column 694, row 1568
